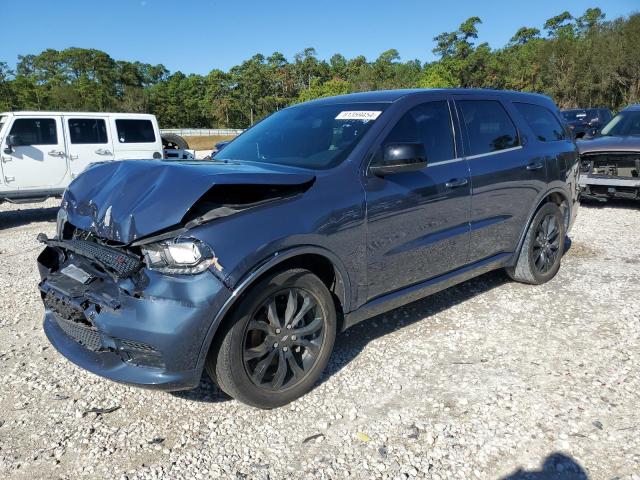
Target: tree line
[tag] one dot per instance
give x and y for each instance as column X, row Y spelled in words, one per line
column 580, row 61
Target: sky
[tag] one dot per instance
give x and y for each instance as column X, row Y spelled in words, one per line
column 197, row 36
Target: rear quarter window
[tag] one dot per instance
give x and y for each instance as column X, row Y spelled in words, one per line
column 544, row 124
column 135, row 131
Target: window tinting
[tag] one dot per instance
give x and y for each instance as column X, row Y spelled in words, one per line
column 543, row 123
column 488, row 125
column 429, row 124
column 35, row 131
column 135, row 131
column 87, row 130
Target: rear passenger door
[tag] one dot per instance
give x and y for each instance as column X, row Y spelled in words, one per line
column 418, row 222
column 507, row 174
column 88, row 141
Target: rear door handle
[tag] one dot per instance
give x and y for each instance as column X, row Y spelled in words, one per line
column 535, row 166
column 456, row 182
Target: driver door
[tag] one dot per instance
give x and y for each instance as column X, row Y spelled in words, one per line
column 418, row 222
column 38, row 161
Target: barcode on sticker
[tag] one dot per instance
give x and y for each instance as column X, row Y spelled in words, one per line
column 358, row 115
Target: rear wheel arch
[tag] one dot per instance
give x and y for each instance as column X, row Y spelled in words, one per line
column 557, row 196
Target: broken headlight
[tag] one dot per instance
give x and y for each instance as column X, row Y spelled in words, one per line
column 181, row 255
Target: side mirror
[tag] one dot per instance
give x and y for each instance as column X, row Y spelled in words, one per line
column 400, row 157
column 12, row 141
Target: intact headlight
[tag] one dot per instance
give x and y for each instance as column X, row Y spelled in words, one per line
column 179, row 256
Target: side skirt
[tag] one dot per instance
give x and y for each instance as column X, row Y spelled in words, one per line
column 420, row 290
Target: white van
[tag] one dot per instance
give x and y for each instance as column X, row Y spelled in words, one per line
column 41, row 152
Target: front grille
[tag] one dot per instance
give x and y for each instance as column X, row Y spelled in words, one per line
column 86, row 336
column 121, row 263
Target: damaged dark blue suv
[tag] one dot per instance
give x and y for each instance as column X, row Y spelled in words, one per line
column 321, row 215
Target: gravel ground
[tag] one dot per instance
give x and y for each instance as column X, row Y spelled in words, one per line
column 489, row 379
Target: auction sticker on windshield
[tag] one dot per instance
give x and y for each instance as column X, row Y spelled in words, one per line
column 358, row 115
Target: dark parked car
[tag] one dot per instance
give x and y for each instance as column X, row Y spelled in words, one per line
column 586, row 122
column 321, row 215
column 611, row 161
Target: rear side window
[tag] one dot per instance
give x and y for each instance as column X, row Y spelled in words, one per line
column 488, row 125
column 135, row 131
column 87, row 130
column 543, row 123
column 429, row 124
column 35, row 131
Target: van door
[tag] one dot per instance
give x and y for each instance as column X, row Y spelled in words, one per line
column 38, row 160
column 88, row 141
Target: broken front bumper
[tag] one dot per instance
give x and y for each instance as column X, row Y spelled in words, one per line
column 602, row 187
column 147, row 330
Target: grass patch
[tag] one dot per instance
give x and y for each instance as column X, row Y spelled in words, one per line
column 205, row 143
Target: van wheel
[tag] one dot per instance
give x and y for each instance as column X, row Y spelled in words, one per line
column 541, row 252
column 277, row 343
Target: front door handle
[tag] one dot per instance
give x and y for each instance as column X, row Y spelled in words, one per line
column 456, row 182
column 102, row 151
column 56, row 153
column 535, row 166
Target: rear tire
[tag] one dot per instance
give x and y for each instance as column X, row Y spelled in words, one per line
column 277, row 343
column 541, row 253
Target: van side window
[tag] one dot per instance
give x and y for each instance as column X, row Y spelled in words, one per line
column 87, row 130
column 543, row 123
column 35, row 131
column 135, row 131
column 429, row 124
column 488, row 125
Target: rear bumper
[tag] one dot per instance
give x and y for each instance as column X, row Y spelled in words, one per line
column 148, row 331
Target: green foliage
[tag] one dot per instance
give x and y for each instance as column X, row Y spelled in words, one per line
column 580, row 61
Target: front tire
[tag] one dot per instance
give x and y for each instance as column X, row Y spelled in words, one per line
column 277, row 343
column 541, row 252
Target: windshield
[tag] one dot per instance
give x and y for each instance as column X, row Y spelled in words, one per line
column 625, row 123
column 579, row 115
column 308, row 136
column 2, row 122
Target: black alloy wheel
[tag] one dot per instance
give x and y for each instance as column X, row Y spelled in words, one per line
column 283, row 339
column 546, row 246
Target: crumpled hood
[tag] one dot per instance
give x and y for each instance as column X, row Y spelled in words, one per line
column 629, row 143
column 124, row 201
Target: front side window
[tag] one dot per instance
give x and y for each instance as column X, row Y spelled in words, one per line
column 35, row 131
column 488, row 126
column 308, row 136
column 87, row 130
column 135, row 131
column 542, row 122
column 623, row 124
column 429, row 124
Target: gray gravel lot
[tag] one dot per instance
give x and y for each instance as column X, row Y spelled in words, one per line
column 489, row 379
